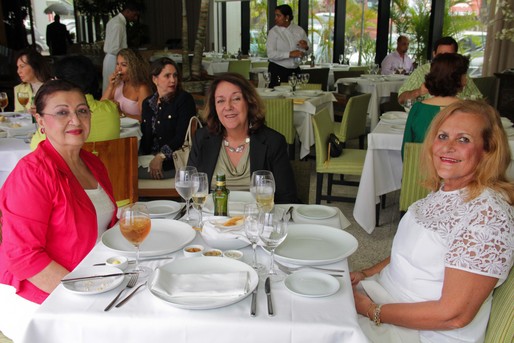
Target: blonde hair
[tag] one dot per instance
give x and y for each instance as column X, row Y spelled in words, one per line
column 138, row 69
column 491, row 170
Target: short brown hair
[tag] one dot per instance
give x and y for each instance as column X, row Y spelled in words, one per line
column 445, row 76
column 491, row 170
column 256, row 110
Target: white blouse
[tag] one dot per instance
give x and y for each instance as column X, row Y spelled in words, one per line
column 103, row 206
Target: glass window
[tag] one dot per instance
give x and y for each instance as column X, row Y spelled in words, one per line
column 321, row 29
column 361, row 31
column 258, row 27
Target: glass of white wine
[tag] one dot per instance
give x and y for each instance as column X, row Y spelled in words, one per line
column 264, row 195
column 200, row 193
column 184, row 185
column 258, row 178
column 4, row 101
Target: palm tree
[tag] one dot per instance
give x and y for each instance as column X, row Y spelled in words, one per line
column 194, row 71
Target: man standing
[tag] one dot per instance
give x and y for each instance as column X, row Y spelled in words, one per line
column 57, row 37
column 116, row 38
column 397, row 62
column 414, row 86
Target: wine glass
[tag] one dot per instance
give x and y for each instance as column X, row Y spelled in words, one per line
column 135, row 226
column 267, row 79
column 256, row 179
column 4, row 101
column 341, row 59
column 201, row 190
column 400, row 69
column 264, row 194
column 23, row 99
column 272, row 232
column 185, row 186
column 251, row 222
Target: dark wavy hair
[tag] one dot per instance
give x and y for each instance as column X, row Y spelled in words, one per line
column 286, row 11
column 49, row 88
column 446, row 41
column 158, row 65
column 445, row 76
column 256, row 109
column 38, row 63
column 80, row 71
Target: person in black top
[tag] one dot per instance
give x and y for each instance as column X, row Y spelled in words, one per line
column 57, row 37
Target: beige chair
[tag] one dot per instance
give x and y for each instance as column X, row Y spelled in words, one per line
column 411, row 190
column 280, row 117
column 353, row 123
column 501, row 320
column 241, row 67
column 120, row 158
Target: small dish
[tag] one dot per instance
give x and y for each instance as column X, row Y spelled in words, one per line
column 311, row 284
column 213, row 253
column 94, row 286
column 193, row 250
column 120, row 262
column 234, row 254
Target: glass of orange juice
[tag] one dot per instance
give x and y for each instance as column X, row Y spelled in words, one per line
column 135, row 226
column 23, row 98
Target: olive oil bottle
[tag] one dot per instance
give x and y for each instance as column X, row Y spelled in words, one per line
column 220, row 196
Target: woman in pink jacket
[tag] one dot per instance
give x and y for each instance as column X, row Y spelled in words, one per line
column 54, row 204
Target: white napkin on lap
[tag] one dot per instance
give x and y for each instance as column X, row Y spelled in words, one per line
column 212, row 285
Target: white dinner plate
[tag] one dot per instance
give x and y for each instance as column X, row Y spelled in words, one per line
column 311, row 245
column 236, row 202
column 93, row 286
column 201, row 265
column 311, row 284
column 162, row 208
column 128, row 122
column 316, row 211
column 166, row 236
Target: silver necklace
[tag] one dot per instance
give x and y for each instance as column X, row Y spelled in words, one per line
column 239, row 148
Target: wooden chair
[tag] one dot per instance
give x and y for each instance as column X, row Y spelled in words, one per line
column 340, row 74
column 488, row 86
column 411, row 190
column 350, row 162
column 318, row 75
column 241, row 67
column 120, row 158
column 353, row 123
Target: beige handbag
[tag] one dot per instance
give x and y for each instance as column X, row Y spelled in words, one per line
column 181, row 155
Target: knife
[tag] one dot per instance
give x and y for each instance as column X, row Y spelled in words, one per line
column 96, row 277
column 181, row 213
column 267, row 288
column 142, row 259
column 253, row 310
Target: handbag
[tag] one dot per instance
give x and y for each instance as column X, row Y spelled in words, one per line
column 181, row 155
column 335, row 147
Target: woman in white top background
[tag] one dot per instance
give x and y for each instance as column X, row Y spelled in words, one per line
column 286, row 45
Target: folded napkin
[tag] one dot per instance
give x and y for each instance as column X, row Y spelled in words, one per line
column 212, row 231
column 212, row 285
column 395, row 115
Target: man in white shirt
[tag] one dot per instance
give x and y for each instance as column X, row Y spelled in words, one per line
column 116, row 38
column 397, row 62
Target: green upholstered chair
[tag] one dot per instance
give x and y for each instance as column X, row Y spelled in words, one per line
column 488, row 86
column 263, row 64
column 363, row 69
column 501, row 320
column 411, row 190
column 349, row 163
column 353, row 123
column 241, row 67
column 279, row 117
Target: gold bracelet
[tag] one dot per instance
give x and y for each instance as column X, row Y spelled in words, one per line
column 376, row 315
column 369, row 308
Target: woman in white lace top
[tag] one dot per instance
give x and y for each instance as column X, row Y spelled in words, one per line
column 453, row 247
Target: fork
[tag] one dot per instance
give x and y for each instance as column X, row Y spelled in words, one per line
column 132, row 282
column 131, row 294
column 293, row 269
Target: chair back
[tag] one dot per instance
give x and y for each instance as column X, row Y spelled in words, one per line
column 488, row 86
column 280, row 117
column 311, row 86
column 318, row 75
column 411, row 190
column 340, row 74
column 263, row 64
column 362, row 69
column 120, row 158
column 501, row 320
column 353, row 123
column 241, row 67
column 323, row 127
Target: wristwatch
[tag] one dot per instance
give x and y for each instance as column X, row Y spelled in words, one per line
column 161, row 155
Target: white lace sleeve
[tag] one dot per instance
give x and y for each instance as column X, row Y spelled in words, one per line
column 482, row 241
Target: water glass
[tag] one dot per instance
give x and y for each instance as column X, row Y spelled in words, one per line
column 272, row 232
column 185, row 186
column 251, row 225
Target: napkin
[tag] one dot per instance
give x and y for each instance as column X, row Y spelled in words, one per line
column 395, row 115
column 212, row 231
column 208, row 285
column 506, row 122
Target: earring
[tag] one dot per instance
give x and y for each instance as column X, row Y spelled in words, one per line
column 42, row 130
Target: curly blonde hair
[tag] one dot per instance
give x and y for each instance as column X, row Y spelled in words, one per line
column 491, row 170
column 138, row 69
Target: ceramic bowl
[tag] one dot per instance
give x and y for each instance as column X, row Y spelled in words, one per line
column 193, row 250
column 120, row 262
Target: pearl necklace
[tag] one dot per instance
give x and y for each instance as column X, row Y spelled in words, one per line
column 239, row 148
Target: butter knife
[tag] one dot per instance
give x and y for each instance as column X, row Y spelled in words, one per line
column 180, row 213
column 142, row 259
column 267, row 288
column 253, row 309
column 96, row 277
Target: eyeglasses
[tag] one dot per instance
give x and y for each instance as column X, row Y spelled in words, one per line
column 81, row 113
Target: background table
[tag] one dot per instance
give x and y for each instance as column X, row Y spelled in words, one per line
column 64, row 316
column 382, row 172
column 380, row 90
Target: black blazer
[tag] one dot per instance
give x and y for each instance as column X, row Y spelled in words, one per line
column 268, row 151
column 172, row 123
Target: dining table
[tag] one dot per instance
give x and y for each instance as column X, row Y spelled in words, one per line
column 382, row 171
column 67, row 316
column 380, row 88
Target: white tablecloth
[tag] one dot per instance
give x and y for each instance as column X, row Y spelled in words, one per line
column 11, row 151
column 65, row 316
column 379, row 90
column 382, row 172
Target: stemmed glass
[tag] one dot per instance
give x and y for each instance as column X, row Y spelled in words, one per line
column 201, row 190
column 272, row 232
column 135, row 226
column 185, row 186
column 400, row 69
column 341, row 59
column 293, row 82
column 251, row 222
column 267, row 79
column 305, row 78
column 23, row 98
column 4, row 101
column 258, row 178
column 264, row 194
